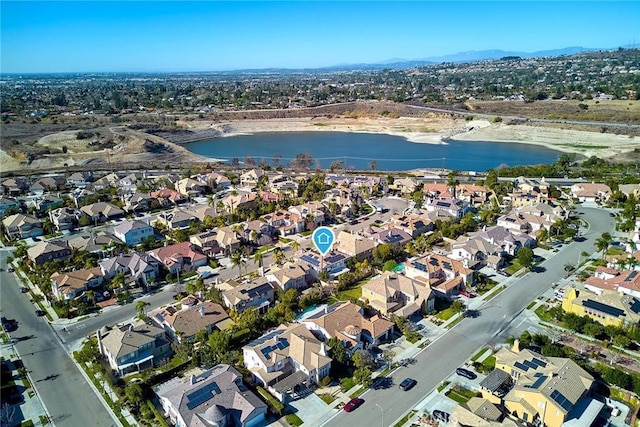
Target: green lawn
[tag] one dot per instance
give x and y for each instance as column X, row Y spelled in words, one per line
column 513, row 268
column 494, row 293
column 293, row 420
column 349, row 294
column 327, row 398
column 404, row 419
column 460, row 394
column 490, row 362
column 531, row 304
column 543, row 313
column 446, row 314
column 478, row 354
column 443, row 386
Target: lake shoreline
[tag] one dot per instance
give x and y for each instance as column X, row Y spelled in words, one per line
column 428, row 131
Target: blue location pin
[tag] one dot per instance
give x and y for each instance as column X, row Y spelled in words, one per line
column 323, row 238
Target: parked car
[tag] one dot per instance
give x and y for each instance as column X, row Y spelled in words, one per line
column 466, row 373
column 40, row 313
column 407, row 384
column 10, row 270
column 441, row 416
column 467, row 294
column 24, row 290
column 503, row 273
column 353, row 404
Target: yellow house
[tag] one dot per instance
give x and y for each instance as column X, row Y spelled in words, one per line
column 610, row 308
column 550, row 391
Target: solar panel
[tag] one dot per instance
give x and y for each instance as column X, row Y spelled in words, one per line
column 201, row 395
column 631, row 276
column 420, row 266
column 561, row 400
column 529, row 364
column 538, row 382
column 607, row 309
column 539, row 362
column 521, row 366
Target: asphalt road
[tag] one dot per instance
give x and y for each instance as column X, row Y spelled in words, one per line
column 69, row 400
column 497, row 319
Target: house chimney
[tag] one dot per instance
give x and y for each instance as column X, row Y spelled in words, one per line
column 323, row 349
column 201, row 310
column 192, row 379
column 130, row 326
column 516, row 346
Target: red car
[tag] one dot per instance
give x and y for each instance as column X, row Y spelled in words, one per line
column 353, row 404
column 467, row 294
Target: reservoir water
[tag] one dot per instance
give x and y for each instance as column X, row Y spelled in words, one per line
column 358, row 150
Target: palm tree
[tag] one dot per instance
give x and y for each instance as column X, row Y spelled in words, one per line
column 278, row 256
column 140, row 308
column 603, row 242
column 238, row 261
column 295, row 245
column 543, row 235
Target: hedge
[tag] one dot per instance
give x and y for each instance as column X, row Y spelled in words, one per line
column 276, row 406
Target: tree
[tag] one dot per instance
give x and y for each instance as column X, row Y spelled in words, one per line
column 140, row 308
column 452, row 181
column 295, row 245
column 525, row 257
column 388, row 356
column 363, row 376
column 278, row 256
column 219, row 342
column 603, row 242
column 134, row 394
column 338, row 351
column 362, row 359
column 621, row 341
column 458, row 307
column 491, row 181
column 335, row 165
column 373, row 165
column 237, row 261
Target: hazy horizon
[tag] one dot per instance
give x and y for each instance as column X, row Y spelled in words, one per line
column 148, row 36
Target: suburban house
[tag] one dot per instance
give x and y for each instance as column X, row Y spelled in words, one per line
column 392, row 293
column 48, row 251
column 101, row 211
column 176, row 219
column 283, row 184
column 137, row 267
column 241, row 201
column 346, row 321
column 313, row 213
column 206, row 242
column 436, row 190
column 181, row 257
column 228, row 239
column 524, row 222
column 167, row 197
column 454, row 207
column 251, row 178
column 480, row 412
column 138, row 202
column 14, row 186
column 388, row 236
column 333, row 262
column 412, row 224
column 444, row 275
column 286, row 358
column 132, row 233
column 256, row 294
column 630, row 189
column 508, row 240
column 96, row 243
column 550, row 391
column 291, row 275
column 605, row 278
column 64, row 218
column 476, row 253
column 591, row 192
column 184, row 320
column 216, row 397
column 22, row 226
column 190, row 187
column 354, row 245
column 202, row 212
column 107, row 181
column 71, row 284
column 285, row 222
column 258, row 232
column 404, row 185
column 47, row 202
column 217, row 181
column 132, row 348
column 46, row 184
column 79, row 179
column 530, row 185
column 8, row 204
column 609, row 307
column 472, row 194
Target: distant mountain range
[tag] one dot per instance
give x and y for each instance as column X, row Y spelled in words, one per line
column 401, row 63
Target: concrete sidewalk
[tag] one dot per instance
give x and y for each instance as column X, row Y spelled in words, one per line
column 28, row 405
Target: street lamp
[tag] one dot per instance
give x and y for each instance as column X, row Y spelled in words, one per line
column 381, row 410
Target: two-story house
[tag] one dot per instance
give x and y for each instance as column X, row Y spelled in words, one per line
column 181, row 257
column 446, row 276
column 291, row 275
column 48, row 251
column 132, row 348
column 69, row 285
column 137, row 267
column 22, row 226
column 285, row 358
column 132, row 233
column 256, row 294
column 392, row 293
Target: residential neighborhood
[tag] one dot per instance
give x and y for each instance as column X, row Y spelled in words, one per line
column 253, row 319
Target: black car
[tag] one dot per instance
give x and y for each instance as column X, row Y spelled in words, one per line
column 40, row 313
column 466, row 373
column 24, row 290
column 441, row 416
column 407, row 384
column 9, row 325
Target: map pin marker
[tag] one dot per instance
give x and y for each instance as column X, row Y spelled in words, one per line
column 323, row 239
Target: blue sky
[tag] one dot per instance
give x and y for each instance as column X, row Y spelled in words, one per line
column 214, row 35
